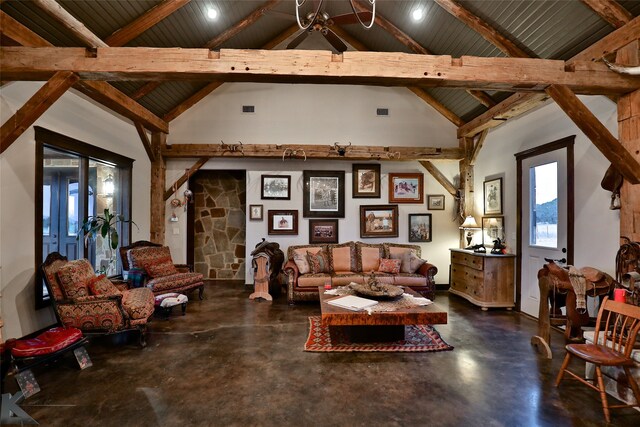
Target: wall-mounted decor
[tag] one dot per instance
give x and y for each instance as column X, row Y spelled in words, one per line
column 419, row 227
column 282, row 222
column 406, row 188
column 366, row 181
column 492, row 229
column 379, row 221
column 323, row 194
column 435, row 202
column 276, row 187
column 255, row 212
column 493, row 197
column 323, row 231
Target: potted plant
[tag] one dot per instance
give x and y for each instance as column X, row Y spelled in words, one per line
column 106, row 226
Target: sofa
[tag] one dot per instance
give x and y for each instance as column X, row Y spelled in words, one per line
column 150, row 265
column 309, row 266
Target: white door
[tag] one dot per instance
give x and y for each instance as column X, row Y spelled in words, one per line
column 544, row 223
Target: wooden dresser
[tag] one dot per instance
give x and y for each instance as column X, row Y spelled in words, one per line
column 486, row 280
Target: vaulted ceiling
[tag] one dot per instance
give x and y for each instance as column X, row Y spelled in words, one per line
column 489, row 28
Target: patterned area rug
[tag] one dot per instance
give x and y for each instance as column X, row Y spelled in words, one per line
column 418, row 338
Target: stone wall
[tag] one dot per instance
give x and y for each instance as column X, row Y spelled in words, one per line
column 219, row 223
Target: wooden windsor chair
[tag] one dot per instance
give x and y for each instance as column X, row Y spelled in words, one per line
column 617, row 327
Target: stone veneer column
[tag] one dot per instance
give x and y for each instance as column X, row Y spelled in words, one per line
column 219, row 224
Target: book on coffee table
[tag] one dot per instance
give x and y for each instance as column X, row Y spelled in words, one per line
column 352, row 302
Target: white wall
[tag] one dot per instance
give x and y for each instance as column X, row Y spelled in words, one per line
column 308, row 114
column 596, row 227
column 76, row 117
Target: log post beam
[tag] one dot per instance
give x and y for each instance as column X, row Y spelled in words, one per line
column 439, row 176
column 180, row 181
column 158, row 177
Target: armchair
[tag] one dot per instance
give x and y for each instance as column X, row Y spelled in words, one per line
column 159, row 273
column 108, row 310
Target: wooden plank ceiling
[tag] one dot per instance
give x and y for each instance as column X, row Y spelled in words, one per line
column 454, row 35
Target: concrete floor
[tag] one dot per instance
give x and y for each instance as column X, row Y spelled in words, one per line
column 232, row 361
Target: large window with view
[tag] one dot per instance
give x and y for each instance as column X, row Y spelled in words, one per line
column 76, row 181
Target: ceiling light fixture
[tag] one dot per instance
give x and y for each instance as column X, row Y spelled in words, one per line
column 212, row 13
column 417, row 14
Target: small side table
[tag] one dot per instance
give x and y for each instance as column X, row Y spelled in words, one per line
column 164, row 303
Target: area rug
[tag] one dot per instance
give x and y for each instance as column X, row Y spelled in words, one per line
column 418, row 338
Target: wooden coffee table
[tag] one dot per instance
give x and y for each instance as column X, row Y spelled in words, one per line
column 361, row 326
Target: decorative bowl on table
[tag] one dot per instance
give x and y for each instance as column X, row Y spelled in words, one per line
column 376, row 290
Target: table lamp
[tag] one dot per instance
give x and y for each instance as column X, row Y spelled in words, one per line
column 468, row 225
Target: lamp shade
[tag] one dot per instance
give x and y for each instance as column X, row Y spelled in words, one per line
column 469, row 222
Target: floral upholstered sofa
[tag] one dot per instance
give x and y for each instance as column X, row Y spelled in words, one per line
column 149, row 264
column 93, row 303
column 309, row 266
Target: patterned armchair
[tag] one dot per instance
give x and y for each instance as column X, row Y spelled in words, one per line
column 149, row 264
column 93, row 303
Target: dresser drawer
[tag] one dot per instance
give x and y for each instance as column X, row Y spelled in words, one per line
column 467, row 260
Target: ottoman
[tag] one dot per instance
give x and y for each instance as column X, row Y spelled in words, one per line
column 164, row 303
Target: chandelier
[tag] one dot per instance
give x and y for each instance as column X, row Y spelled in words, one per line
column 312, row 17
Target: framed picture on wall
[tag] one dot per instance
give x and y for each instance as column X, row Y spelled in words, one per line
column 419, row 227
column 379, row 221
column 435, row 202
column 323, row 194
column 255, row 212
column 492, row 229
column 366, row 181
column 282, row 222
column 406, row 188
column 323, row 231
column 493, row 197
column 276, row 187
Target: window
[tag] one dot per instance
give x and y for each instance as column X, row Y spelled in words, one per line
column 544, row 205
column 77, row 180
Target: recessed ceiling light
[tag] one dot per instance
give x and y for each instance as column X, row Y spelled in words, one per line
column 417, row 14
column 212, row 13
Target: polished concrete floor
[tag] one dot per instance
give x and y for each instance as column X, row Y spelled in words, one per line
column 232, row 361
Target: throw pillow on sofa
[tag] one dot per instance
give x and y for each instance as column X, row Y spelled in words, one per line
column 160, row 267
column 301, row 262
column 317, row 262
column 73, row 278
column 389, row 265
column 415, row 262
column 100, row 285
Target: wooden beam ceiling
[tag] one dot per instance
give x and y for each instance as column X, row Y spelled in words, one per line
column 35, row 107
column 185, row 176
column 610, row 10
column 324, row 152
column 146, row 142
column 77, row 28
column 439, row 176
column 202, row 93
column 100, row 92
column 300, row 66
column 421, row 93
column 144, row 22
column 520, row 103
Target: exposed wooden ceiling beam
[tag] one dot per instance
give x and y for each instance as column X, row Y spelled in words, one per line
column 421, row 93
column 482, row 97
column 589, row 124
column 439, row 176
column 100, row 92
column 144, row 22
column 202, row 93
column 522, row 102
column 241, row 25
column 482, row 28
column 274, row 151
column 478, row 146
column 35, row 107
column 77, row 28
column 146, row 142
column 316, row 67
column 193, row 169
column 610, row 10
column 408, row 42
column 145, row 90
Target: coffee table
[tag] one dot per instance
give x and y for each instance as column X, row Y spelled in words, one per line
column 361, row 326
